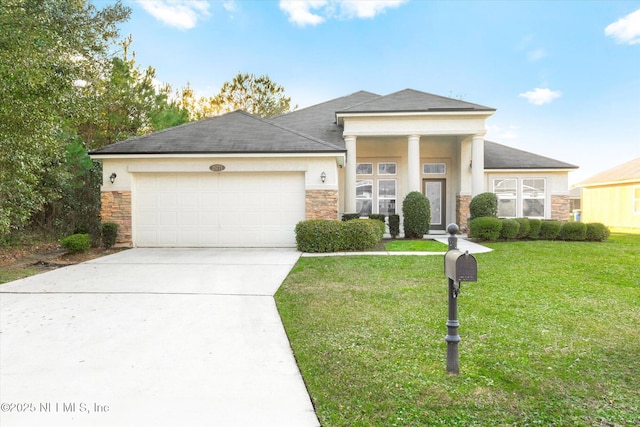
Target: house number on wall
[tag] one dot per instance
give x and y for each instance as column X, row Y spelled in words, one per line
column 216, row 168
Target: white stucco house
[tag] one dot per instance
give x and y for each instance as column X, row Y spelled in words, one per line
column 238, row 180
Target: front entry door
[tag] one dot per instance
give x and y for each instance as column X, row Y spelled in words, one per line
column 435, row 191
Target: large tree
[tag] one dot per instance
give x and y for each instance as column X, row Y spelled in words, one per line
column 48, row 48
column 256, row 95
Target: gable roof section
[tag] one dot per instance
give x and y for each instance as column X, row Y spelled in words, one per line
column 498, row 156
column 320, row 120
column 626, row 172
column 235, row 132
column 410, row 100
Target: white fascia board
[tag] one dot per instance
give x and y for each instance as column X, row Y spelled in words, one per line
column 523, row 171
column 212, row 155
column 484, row 114
column 605, row 183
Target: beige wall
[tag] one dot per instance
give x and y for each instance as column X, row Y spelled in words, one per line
column 612, row 205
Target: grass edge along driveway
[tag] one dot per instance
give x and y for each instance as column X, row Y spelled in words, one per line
column 550, row 336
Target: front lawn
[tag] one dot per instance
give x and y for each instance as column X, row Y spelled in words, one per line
column 415, row 246
column 550, row 336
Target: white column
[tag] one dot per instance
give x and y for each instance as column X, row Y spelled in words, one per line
column 413, row 163
column 477, row 165
column 350, row 175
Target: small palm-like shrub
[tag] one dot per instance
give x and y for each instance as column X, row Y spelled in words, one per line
column 485, row 228
column 417, row 215
column 484, row 204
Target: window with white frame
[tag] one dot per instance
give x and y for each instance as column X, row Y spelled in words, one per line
column 506, row 191
column 636, row 200
column 376, row 190
column 364, row 196
column 434, row 168
column 533, row 197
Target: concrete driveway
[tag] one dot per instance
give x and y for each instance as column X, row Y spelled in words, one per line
column 152, row 337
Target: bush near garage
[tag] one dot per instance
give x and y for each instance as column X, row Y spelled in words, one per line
column 109, row 234
column 76, row 243
column 510, row 228
column 485, row 228
column 322, row 235
column 549, row 229
column 573, row 231
column 597, row 232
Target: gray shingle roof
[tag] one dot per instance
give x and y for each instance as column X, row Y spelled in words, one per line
column 410, row 100
column 320, row 120
column 236, row 132
column 498, row 156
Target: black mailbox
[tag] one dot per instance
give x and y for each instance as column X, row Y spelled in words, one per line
column 460, row 266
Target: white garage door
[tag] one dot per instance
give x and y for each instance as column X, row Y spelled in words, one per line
column 217, row 210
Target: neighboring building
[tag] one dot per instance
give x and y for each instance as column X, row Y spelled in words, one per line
column 240, row 180
column 612, row 197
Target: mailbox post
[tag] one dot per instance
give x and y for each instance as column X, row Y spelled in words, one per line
column 458, row 267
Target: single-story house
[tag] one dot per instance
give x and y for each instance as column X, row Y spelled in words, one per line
column 612, row 197
column 240, row 180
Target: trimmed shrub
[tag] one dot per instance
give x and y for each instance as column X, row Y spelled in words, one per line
column 549, row 229
column 510, row 228
column 485, row 228
column 350, row 216
column 394, row 225
column 318, row 235
column 379, row 217
column 322, row 235
column 76, row 243
column 360, row 234
column 573, row 231
column 597, row 232
column 534, row 228
column 417, row 215
column 525, row 227
column 484, row 204
column 109, row 234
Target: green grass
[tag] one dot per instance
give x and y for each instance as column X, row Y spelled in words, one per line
column 8, row 275
column 550, row 336
column 415, row 246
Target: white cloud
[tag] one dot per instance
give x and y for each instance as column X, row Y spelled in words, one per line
column 314, row 12
column 496, row 133
column 536, row 54
column 182, row 14
column 625, row 30
column 540, row 96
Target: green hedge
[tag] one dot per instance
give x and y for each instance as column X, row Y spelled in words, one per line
column 321, row 235
column 534, row 228
column 573, row 231
column 510, row 228
column 597, row 232
column 549, row 229
column 525, row 227
column 76, row 243
column 417, row 215
column 350, row 216
column 484, row 204
column 485, row 228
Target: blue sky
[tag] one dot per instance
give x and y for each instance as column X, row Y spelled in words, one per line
column 563, row 76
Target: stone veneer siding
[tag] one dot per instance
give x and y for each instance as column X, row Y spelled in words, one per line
column 462, row 212
column 321, row 204
column 116, row 207
column 560, row 207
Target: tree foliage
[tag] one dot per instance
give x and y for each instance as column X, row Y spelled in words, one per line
column 46, row 48
column 256, row 95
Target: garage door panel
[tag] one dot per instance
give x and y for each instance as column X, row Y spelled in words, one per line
column 224, row 210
